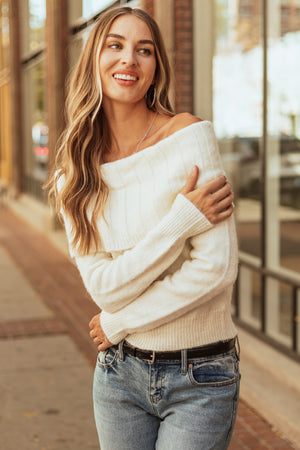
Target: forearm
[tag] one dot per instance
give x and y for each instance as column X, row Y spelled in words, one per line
column 114, row 283
column 211, row 271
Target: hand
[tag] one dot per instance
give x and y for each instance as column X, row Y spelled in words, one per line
column 98, row 335
column 214, row 199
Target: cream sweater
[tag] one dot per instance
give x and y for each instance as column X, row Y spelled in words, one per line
column 164, row 275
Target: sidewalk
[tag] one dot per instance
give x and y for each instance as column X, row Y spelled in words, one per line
column 47, row 356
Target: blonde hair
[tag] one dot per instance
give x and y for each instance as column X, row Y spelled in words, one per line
column 87, row 136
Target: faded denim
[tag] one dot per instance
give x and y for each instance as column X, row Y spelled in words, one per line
column 176, row 405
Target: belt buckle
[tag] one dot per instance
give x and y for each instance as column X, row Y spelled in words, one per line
column 152, row 359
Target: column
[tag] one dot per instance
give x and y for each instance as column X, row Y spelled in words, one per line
column 57, row 66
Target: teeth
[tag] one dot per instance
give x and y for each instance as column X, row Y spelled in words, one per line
column 120, row 76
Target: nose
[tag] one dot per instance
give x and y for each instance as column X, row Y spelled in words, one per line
column 128, row 57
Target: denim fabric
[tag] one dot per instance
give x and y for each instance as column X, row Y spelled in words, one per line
column 187, row 405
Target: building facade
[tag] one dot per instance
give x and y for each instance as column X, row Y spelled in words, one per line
column 235, row 62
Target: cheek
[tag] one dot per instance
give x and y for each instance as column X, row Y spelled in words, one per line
column 104, row 63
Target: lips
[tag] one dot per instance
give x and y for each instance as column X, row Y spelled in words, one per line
column 120, row 76
column 126, row 76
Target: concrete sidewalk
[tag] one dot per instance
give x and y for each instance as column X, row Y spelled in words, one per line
column 47, row 356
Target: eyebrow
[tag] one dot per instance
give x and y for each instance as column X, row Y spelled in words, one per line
column 141, row 41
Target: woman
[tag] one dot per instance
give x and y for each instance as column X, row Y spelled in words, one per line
column 156, row 252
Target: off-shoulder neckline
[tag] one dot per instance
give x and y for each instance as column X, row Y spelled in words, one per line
column 183, row 130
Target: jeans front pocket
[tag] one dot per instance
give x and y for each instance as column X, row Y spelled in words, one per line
column 108, row 358
column 218, row 371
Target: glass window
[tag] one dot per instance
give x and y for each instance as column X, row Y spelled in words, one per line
column 35, row 129
column 33, row 19
column 85, row 9
column 76, row 45
column 250, row 292
column 92, row 7
column 5, row 138
column 283, row 143
column 237, row 110
column 279, row 310
column 4, row 34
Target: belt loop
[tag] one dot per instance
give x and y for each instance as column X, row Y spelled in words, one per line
column 120, row 350
column 238, row 348
column 183, row 362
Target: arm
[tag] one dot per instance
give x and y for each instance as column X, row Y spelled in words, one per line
column 114, row 283
column 211, row 270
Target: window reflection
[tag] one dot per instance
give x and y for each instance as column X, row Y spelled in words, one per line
column 37, row 18
column 250, row 292
column 4, row 34
column 85, row 9
column 91, row 7
column 237, row 109
column 33, row 19
column 36, row 139
column 5, row 142
column 283, row 149
column 279, row 311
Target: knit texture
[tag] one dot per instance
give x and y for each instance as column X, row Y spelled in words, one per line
column 164, row 274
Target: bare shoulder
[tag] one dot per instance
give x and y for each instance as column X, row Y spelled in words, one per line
column 182, row 120
column 168, row 125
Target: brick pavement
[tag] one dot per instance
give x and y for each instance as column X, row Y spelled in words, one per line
column 58, row 283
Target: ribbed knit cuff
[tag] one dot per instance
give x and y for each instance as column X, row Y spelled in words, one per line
column 110, row 323
column 185, row 219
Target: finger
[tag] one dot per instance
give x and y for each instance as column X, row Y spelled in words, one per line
column 104, row 346
column 223, row 215
column 92, row 333
column 96, row 332
column 222, row 192
column 191, row 181
column 93, row 322
column 215, row 184
column 224, row 203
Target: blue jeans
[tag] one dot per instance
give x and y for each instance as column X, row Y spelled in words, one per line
column 165, row 405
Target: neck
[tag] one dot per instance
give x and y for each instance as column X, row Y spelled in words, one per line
column 128, row 125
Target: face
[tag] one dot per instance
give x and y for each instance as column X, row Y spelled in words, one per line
column 127, row 61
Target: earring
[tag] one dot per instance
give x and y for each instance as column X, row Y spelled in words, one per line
column 154, row 96
column 151, row 96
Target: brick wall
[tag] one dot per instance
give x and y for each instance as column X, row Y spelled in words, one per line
column 183, row 55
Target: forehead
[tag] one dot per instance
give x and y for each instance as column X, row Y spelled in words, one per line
column 130, row 26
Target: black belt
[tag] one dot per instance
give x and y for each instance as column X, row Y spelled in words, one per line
column 192, row 353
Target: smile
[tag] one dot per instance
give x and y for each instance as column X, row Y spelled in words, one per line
column 121, row 76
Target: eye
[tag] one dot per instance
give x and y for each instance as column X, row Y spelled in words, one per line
column 145, row 51
column 114, row 46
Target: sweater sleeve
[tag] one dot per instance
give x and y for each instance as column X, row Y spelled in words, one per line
column 212, row 269
column 114, row 283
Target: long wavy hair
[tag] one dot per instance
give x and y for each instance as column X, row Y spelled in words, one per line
column 75, row 185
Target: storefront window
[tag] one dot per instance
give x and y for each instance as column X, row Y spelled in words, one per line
column 5, row 140
column 85, row 9
column 282, row 181
column 4, row 34
column 76, row 45
column 237, row 109
column 36, row 129
column 283, row 144
column 82, row 10
column 91, row 7
column 33, row 19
